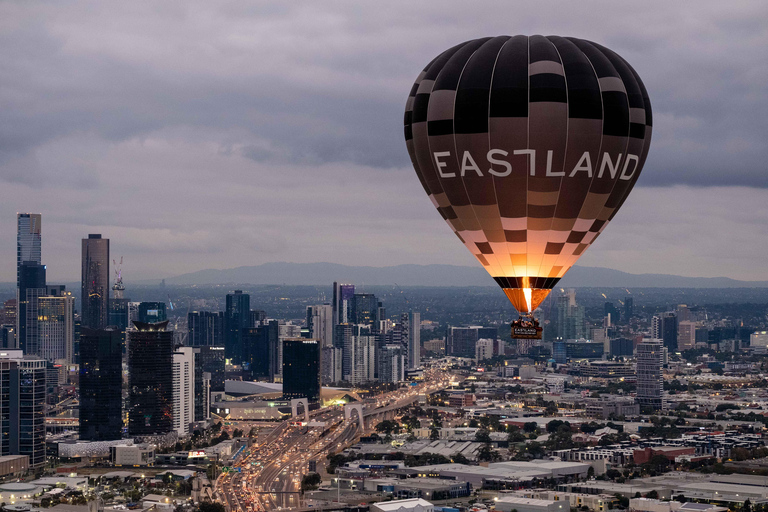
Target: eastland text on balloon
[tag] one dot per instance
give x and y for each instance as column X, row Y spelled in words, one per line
column 625, row 169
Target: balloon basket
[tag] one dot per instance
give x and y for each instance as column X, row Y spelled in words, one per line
column 526, row 328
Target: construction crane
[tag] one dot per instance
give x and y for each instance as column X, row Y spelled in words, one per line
column 118, row 288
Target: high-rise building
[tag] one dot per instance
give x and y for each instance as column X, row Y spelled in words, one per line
column 629, row 308
column 301, row 368
column 569, row 317
column 461, row 341
column 391, row 363
column 686, row 335
column 56, row 325
column 28, row 240
column 365, row 309
column 152, row 312
column 258, row 317
column 331, row 365
column 183, row 390
column 650, row 380
column 342, row 339
column 256, row 350
column 664, row 327
column 94, row 297
column 212, row 362
column 484, row 349
column 206, row 329
column 101, row 383
column 8, row 313
column 320, row 323
column 237, row 316
column 22, row 406
column 31, row 286
column 202, row 388
column 362, row 357
column 150, row 371
column 343, row 295
column 414, row 340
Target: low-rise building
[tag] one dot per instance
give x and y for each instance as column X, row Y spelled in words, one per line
column 13, row 465
column 412, row 505
column 510, row 503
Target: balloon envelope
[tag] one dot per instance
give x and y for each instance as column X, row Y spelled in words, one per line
column 528, row 146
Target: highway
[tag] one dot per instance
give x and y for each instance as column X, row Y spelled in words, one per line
column 270, row 475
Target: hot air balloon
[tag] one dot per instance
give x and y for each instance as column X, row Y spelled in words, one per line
column 527, row 147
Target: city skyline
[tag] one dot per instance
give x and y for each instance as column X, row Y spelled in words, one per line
column 158, row 135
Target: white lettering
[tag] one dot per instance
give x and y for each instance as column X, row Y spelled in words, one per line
column 549, row 166
column 612, row 169
column 468, row 163
column 440, row 165
column 531, row 161
column 507, row 166
column 584, row 164
column 624, row 175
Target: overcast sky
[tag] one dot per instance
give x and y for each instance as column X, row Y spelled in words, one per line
column 219, row 134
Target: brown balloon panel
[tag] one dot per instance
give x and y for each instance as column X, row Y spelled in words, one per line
column 527, row 147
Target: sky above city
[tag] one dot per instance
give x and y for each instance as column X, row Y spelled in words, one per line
column 220, row 134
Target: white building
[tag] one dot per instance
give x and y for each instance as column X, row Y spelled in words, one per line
column 759, row 339
column 411, row 505
column 483, row 349
column 330, row 362
column 320, row 324
column 391, row 363
column 362, row 352
column 183, row 390
column 508, row 503
column 56, row 327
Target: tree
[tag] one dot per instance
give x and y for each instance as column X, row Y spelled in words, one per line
column 483, row 436
column 204, row 506
column 310, row 481
column 530, row 427
column 459, row 458
column 487, row 454
column 434, row 433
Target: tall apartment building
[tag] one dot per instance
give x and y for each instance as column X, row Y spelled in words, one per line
column 414, row 340
column 31, row 286
column 391, row 363
column 22, row 406
column 664, row 327
column 343, row 295
column 56, row 325
column 650, row 380
column 330, row 362
column 101, row 384
column 150, row 370
column 205, row 329
column 320, row 323
column 183, row 390
column 202, row 389
column 94, row 297
column 362, row 356
column 237, row 316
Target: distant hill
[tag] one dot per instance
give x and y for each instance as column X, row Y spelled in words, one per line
column 437, row 275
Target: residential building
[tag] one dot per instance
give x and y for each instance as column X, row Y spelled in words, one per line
column 150, row 370
column 94, row 296
column 391, row 363
column 205, row 329
column 330, row 361
column 31, row 286
column 22, row 407
column 183, row 390
column 101, row 383
column 343, row 297
column 650, row 380
column 56, row 325
column 320, row 323
column 237, row 316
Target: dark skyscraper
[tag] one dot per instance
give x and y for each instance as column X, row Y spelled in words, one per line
column 95, row 282
column 256, row 351
column 206, row 329
column 237, row 317
column 301, row 368
column 152, row 312
column 366, row 309
column 31, row 286
column 212, row 361
column 629, row 307
column 101, row 380
column 150, row 369
column 28, row 240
